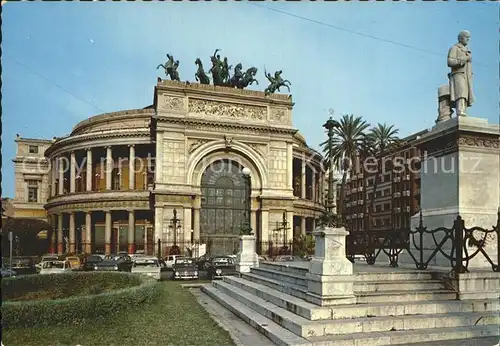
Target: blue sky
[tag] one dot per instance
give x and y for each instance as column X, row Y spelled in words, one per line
column 64, row 62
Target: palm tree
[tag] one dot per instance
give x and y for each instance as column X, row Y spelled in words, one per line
column 379, row 140
column 348, row 139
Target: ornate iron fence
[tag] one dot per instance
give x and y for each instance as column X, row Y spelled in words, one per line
column 454, row 244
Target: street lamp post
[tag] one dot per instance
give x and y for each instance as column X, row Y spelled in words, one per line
column 175, row 220
column 284, row 227
column 330, row 125
column 246, row 227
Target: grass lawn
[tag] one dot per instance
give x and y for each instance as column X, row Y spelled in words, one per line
column 174, row 319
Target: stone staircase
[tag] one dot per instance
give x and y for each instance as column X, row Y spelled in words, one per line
column 394, row 308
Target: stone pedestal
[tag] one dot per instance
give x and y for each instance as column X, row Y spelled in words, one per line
column 459, row 176
column 330, row 277
column 247, row 257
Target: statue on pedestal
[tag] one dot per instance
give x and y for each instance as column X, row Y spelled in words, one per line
column 460, row 77
column 276, row 82
column 170, row 68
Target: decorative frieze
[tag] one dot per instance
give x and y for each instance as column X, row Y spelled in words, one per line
column 279, row 115
column 277, row 203
column 172, row 103
column 99, row 206
column 217, row 109
column 174, row 199
column 492, row 143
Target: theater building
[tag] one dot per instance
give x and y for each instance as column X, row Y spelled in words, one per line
column 115, row 181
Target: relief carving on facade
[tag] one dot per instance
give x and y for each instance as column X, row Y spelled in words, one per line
column 218, row 109
column 102, row 205
column 220, row 128
column 172, row 103
column 228, row 140
column 196, row 144
column 174, row 199
column 279, row 115
column 259, row 149
column 479, row 142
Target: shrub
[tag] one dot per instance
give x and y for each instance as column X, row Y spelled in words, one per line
column 77, row 308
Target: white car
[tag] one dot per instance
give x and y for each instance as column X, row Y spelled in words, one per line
column 150, row 266
column 55, row 267
column 38, row 266
column 170, row 260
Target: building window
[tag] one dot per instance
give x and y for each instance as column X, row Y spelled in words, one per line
column 387, row 206
column 33, row 149
column 32, row 191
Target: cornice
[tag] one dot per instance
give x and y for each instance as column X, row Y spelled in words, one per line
column 96, row 136
column 91, row 196
column 112, row 116
column 193, row 123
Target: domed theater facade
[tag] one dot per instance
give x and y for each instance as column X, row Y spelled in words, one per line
column 170, row 174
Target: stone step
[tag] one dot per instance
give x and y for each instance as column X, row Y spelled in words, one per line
column 285, row 287
column 315, row 312
column 286, row 267
column 404, row 296
column 294, row 279
column 306, row 328
column 283, row 300
column 272, row 330
column 364, row 273
column 409, row 337
column 485, row 341
column 407, row 285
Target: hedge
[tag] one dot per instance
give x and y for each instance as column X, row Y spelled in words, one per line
column 74, row 309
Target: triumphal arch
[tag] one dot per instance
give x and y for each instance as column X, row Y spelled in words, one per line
column 204, row 136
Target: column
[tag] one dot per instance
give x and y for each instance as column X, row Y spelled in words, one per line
column 303, row 178
column 109, row 167
column 159, row 157
column 53, row 165
column 196, row 224
column 159, row 229
column 72, row 175
column 187, row 226
column 131, row 232
column 253, row 222
column 264, row 225
column 88, row 232
column 313, row 185
column 60, row 169
column 60, row 247
column 72, row 233
column 314, row 224
column 52, row 239
column 289, row 161
column 302, row 225
column 90, row 173
column 131, row 167
column 321, row 188
column 289, row 218
column 107, row 233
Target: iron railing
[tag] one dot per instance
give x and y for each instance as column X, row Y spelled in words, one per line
column 454, row 244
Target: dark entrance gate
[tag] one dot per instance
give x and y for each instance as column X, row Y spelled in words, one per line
column 222, row 207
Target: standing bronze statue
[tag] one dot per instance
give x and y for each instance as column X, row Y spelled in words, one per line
column 170, row 68
column 460, row 77
column 217, row 69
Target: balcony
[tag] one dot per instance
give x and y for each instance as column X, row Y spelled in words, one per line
column 407, row 177
column 397, row 209
column 360, row 188
column 397, row 194
column 407, row 209
column 397, row 179
column 360, row 215
column 361, row 202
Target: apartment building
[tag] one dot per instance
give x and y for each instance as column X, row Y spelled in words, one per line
column 397, row 194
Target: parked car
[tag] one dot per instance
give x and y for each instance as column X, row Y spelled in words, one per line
column 221, row 266
column 90, row 262
column 6, row 272
column 46, row 258
column 185, row 268
column 23, row 266
column 150, row 266
column 110, row 263
column 283, row 258
column 74, row 262
column 55, row 267
column 170, row 260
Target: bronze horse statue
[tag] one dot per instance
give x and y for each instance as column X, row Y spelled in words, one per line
column 200, row 74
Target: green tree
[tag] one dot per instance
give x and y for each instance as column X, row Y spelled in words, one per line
column 380, row 139
column 303, row 245
column 346, row 144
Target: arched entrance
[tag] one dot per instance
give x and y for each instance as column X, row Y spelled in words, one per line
column 222, row 206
